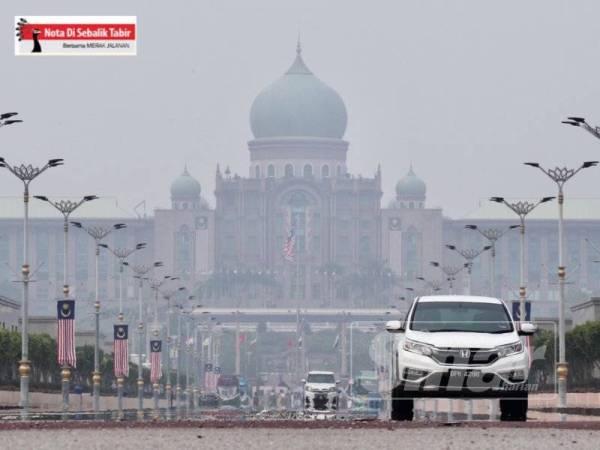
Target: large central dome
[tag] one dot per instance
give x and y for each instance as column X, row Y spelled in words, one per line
column 298, row 105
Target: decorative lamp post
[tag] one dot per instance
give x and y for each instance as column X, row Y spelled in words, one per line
column 492, row 235
column 66, row 208
column 522, row 209
column 560, row 175
column 140, row 271
column 580, row 122
column 98, row 233
column 25, row 173
column 122, row 254
column 469, row 254
column 450, row 272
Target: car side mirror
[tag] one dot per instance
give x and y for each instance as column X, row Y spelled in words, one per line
column 526, row 329
column 303, row 381
column 394, row 326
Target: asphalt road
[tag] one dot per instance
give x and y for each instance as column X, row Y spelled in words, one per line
column 292, row 438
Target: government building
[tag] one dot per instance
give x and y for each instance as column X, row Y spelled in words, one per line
column 299, row 230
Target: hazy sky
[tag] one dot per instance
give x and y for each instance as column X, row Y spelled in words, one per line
column 465, row 90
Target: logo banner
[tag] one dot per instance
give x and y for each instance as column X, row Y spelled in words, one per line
column 76, row 35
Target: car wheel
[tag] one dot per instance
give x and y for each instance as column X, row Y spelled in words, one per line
column 402, row 409
column 514, row 410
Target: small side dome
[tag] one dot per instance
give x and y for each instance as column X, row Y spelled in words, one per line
column 185, row 187
column 411, row 187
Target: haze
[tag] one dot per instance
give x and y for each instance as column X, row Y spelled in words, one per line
column 464, row 90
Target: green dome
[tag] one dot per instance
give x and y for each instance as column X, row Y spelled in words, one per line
column 411, row 186
column 185, row 186
column 298, row 105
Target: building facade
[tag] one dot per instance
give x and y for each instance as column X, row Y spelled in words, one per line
column 300, row 230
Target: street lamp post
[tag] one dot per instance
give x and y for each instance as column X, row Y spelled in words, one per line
column 450, row 272
column 580, row 122
column 66, row 208
column 98, row 233
column 433, row 285
column 122, row 254
column 140, row 271
column 560, row 175
column 522, row 209
column 469, row 255
column 25, row 173
column 492, row 235
column 167, row 295
column 5, row 119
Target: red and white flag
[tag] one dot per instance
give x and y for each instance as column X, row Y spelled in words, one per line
column 155, row 367
column 66, row 333
column 121, row 350
column 289, row 246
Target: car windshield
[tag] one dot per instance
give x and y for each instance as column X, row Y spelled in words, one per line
column 461, row 316
column 321, row 378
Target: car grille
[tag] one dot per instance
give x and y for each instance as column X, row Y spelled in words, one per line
column 459, row 356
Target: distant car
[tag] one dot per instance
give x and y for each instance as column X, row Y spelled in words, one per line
column 321, row 392
column 460, row 347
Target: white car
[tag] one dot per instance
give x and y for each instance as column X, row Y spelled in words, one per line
column 321, row 391
column 460, row 347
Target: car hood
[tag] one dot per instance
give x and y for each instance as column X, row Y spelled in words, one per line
column 321, row 386
column 463, row 340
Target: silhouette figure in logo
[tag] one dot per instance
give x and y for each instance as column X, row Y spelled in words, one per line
column 37, row 47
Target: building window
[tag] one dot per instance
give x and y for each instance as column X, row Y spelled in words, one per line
column 410, row 257
column 184, row 247
column 257, row 171
column 325, row 171
column 307, row 171
column 271, row 171
column 289, row 171
column 339, row 171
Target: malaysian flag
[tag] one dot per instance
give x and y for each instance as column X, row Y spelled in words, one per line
column 155, row 369
column 209, row 378
column 66, row 333
column 121, row 350
column 288, row 246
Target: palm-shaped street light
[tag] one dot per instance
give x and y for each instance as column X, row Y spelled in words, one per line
column 580, row 122
column 450, row 272
column 66, row 208
column 560, row 175
column 25, row 173
column 97, row 233
column 469, row 254
column 7, row 119
column 492, row 235
column 140, row 270
column 522, row 209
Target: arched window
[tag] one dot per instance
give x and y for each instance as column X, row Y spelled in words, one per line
column 289, row 171
column 339, row 171
column 257, row 171
column 411, row 263
column 307, row 171
column 325, row 171
column 271, row 171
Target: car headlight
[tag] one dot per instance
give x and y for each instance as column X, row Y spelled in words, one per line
column 417, row 347
column 510, row 349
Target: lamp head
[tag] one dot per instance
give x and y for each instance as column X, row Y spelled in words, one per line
column 587, row 164
column 451, row 247
column 577, row 119
column 103, row 246
column 89, row 198
column 76, row 224
column 41, row 197
column 512, row 227
column 547, row 199
column 532, row 164
column 140, row 246
column 55, row 162
column 119, row 226
column 471, row 227
column 497, row 199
